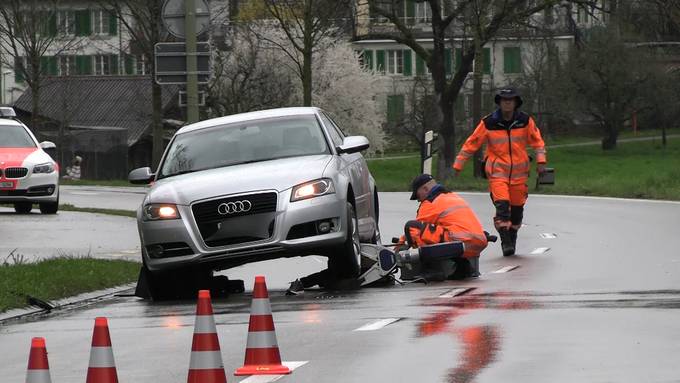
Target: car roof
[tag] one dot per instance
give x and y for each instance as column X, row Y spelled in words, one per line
column 9, row 121
column 250, row 116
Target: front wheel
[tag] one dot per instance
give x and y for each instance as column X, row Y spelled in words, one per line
column 23, row 207
column 346, row 261
column 49, row 207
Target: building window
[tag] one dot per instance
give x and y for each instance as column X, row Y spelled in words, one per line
column 366, row 59
column 395, row 108
column 142, row 66
column 67, row 65
column 512, row 60
column 423, row 12
column 395, row 62
column 19, row 69
column 67, row 22
column 104, row 22
column 105, row 64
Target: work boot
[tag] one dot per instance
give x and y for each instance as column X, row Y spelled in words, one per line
column 296, row 288
column 507, row 244
column 513, row 238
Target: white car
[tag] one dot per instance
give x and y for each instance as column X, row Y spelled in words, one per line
column 28, row 175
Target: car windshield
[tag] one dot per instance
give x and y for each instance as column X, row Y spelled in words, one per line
column 14, row 136
column 244, row 142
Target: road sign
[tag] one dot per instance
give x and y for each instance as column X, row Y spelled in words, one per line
column 173, row 17
column 171, row 63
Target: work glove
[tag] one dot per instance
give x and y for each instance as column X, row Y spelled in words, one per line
column 540, row 168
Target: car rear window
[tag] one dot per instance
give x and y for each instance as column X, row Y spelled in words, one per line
column 13, row 136
column 244, row 142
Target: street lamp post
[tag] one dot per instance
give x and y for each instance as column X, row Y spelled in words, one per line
column 2, row 86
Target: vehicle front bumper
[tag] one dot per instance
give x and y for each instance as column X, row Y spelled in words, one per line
column 32, row 188
column 183, row 234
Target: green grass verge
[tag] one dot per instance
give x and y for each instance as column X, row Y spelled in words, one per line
column 61, row 277
column 96, row 182
column 634, row 170
column 123, row 213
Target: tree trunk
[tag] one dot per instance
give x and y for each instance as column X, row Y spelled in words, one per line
column 35, row 113
column 307, row 55
column 156, row 124
column 448, row 133
column 663, row 135
column 611, row 133
column 477, row 103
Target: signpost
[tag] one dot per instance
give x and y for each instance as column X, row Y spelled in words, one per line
column 185, row 19
column 171, row 63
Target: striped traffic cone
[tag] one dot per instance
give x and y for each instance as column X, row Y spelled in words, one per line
column 206, row 364
column 102, row 368
column 38, row 368
column 262, row 351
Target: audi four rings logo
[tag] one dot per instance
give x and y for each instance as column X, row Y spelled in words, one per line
column 226, row 208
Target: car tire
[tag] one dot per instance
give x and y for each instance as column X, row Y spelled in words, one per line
column 49, row 207
column 23, row 207
column 346, row 262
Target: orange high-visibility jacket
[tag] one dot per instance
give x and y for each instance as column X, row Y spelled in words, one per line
column 506, row 147
column 450, row 211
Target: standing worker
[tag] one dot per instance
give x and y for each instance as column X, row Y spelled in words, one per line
column 506, row 133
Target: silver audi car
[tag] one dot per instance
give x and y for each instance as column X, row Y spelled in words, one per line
column 255, row 186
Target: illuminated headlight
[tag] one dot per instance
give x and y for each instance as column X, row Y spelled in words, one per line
column 156, row 211
column 45, row 168
column 312, row 189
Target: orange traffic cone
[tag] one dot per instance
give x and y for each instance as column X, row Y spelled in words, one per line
column 206, row 364
column 262, row 351
column 38, row 368
column 102, row 368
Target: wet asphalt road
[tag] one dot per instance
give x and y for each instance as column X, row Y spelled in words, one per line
column 600, row 305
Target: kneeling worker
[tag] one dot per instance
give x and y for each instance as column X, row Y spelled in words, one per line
column 444, row 216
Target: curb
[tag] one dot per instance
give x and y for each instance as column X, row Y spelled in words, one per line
column 68, row 303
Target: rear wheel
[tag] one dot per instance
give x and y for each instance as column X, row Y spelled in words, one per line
column 23, row 207
column 346, row 261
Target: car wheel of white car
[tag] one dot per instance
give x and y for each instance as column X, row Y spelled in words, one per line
column 346, row 262
column 23, row 207
column 49, row 207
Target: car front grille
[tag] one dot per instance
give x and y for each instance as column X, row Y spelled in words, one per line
column 16, row 172
column 236, row 220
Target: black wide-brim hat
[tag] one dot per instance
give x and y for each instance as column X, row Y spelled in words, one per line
column 508, row 93
column 417, row 182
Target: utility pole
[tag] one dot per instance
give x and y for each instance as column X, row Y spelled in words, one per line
column 192, row 78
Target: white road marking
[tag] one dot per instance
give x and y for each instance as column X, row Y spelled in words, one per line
column 506, row 269
column 455, row 292
column 273, row 378
column 540, row 250
column 377, row 325
column 548, row 235
column 82, row 193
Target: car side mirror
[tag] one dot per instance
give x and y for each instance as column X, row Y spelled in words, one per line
column 353, row 144
column 141, row 176
column 47, row 145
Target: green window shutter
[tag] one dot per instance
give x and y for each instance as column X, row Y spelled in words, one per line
column 18, row 72
column 52, row 65
column 129, row 64
column 512, row 61
column 395, row 108
column 420, row 66
column 410, row 11
column 487, row 60
column 52, row 24
column 459, row 58
column 380, row 60
column 113, row 64
column 368, row 59
column 448, row 63
column 83, row 22
column 408, row 65
column 84, row 65
column 44, row 65
column 113, row 23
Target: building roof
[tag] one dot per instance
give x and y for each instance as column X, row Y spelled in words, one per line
column 96, row 101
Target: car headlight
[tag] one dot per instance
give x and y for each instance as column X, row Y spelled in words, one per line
column 45, row 168
column 312, row 189
column 157, row 211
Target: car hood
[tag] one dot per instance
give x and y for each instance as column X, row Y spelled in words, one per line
column 279, row 175
column 26, row 157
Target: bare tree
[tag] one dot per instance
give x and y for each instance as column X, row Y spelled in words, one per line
column 307, row 26
column 445, row 14
column 29, row 32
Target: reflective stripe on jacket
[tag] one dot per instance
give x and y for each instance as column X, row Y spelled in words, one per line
column 506, row 146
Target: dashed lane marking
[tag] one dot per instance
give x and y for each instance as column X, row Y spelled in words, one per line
column 456, row 292
column 548, row 235
column 506, row 269
column 540, row 250
column 377, row 325
column 273, row 378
